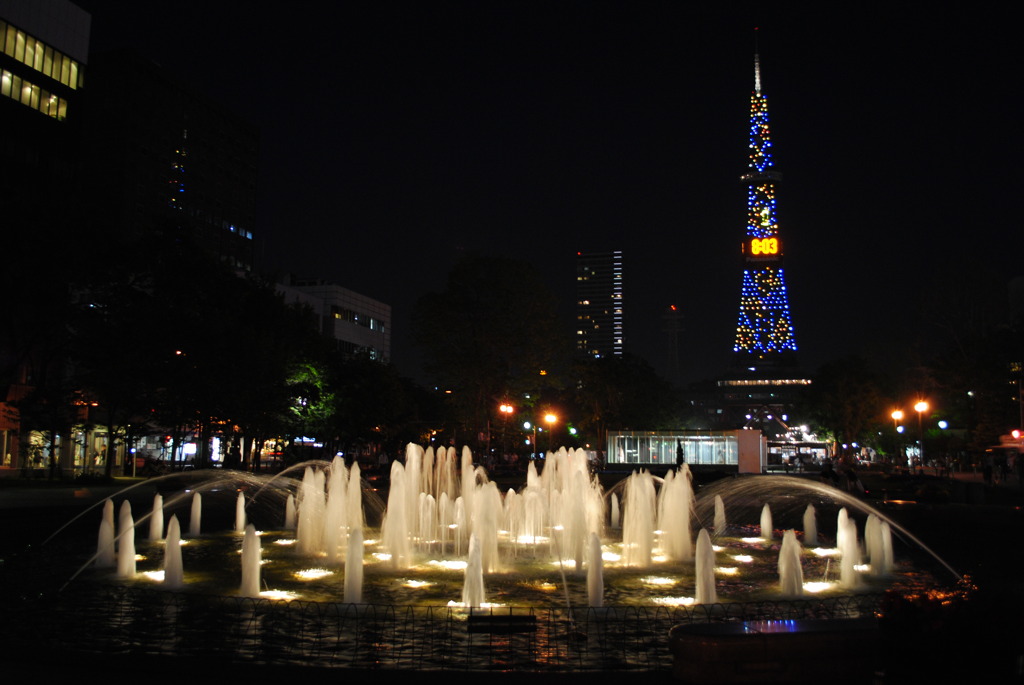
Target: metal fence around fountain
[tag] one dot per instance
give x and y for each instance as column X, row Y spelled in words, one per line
column 125, row 622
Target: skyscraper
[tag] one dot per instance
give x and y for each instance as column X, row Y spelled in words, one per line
column 599, row 304
column 764, row 332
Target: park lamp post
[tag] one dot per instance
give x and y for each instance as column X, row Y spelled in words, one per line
column 506, row 410
column 921, row 407
column 533, row 444
column 551, row 419
column 897, row 416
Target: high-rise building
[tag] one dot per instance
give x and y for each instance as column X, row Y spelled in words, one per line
column 43, row 51
column 44, row 47
column 761, row 387
column 167, row 158
column 599, row 304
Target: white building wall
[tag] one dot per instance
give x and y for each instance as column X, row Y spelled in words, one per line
column 345, row 315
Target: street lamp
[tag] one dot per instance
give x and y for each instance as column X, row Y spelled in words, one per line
column 897, row 416
column 533, row 445
column 506, row 410
column 921, row 407
column 550, row 419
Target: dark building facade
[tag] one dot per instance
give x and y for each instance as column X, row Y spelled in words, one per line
column 168, row 159
column 43, row 52
column 44, row 46
column 90, row 161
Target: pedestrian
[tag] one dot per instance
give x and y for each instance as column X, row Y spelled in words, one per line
column 828, row 474
column 987, row 467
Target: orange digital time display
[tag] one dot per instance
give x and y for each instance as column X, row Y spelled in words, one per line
column 764, row 246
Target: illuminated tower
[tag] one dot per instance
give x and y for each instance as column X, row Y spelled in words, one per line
column 764, row 333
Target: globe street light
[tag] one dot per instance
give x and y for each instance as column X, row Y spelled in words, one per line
column 533, row 445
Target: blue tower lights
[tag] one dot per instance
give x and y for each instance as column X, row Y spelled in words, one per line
column 762, row 220
column 765, row 325
column 760, row 140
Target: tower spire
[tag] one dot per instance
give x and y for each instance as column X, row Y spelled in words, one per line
column 757, row 65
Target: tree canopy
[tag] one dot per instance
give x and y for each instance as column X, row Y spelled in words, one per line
column 492, row 333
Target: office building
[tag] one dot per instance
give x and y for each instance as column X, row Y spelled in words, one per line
column 600, row 322
column 359, row 324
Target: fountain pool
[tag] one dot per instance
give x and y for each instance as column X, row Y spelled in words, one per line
column 442, row 534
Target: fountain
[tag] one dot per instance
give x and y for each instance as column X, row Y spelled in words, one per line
column 126, row 542
column 350, row 557
column 705, row 570
column 720, row 520
column 878, row 540
column 106, row 553
column 849, row 551
column 473, row 588
column 444, row 535
column 595, row 573
column 251, row 558
column 675, row 500
column 174, row 572
column 791, row 573
column 638, row 522
column 354, row 568
column 195, row 520
column 766, row 522
column 240, row 513
column 156, row 519
column 810, row 526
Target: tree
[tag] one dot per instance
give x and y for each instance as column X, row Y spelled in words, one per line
column 846, row 401
column 979, row 347
column 492, row 334
column 176, row 338
column 622, row 392
column 43, row 243
column 374, row 406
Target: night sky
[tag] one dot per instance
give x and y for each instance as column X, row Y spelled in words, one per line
column 397, row 137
